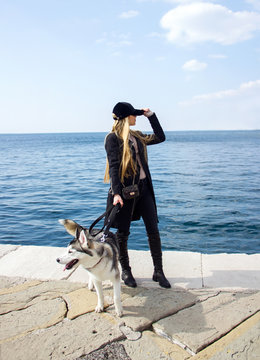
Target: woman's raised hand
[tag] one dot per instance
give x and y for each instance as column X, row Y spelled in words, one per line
column 118, row 199
column 147, row 112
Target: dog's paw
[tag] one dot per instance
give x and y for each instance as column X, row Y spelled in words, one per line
column 99, row 309
column 119, row 312
column 118, row 308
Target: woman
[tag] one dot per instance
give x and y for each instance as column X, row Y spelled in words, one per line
column 126, row 165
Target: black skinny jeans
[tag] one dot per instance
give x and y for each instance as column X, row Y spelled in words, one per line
column 147, row 209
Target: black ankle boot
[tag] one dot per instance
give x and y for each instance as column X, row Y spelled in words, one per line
column 127, row 276
column 159, row 276
column 156, row 252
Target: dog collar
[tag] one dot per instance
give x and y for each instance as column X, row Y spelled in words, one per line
column 92, row 267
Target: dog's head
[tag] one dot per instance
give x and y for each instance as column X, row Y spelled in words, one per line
column 78, row 248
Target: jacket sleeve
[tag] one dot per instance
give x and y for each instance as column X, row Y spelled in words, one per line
column 113, row 156
column 158, row 135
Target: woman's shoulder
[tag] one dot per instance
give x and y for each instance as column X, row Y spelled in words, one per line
column 138, row 132
column 110, row 136
column 111, row 140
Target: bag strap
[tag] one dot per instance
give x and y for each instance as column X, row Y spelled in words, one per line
column 112, row 211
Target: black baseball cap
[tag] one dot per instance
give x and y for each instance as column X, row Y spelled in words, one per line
column 123, row 109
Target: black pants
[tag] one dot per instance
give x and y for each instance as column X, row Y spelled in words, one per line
column 147, row 210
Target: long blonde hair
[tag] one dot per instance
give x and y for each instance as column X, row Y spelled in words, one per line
column 127, row 167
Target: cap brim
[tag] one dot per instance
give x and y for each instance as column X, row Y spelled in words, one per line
column 138, row 112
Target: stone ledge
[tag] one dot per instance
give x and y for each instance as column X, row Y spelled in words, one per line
column 245, row 338
column 198, row 326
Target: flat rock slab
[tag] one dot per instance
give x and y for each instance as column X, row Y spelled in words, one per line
column 68, row 340
column 33, row 262
column 151, row 346
column 82, row 301
column 5, row 249
column 196, row 327
column 150, row 305
column 240, row 271
column 29, row 293
column 242, row 343
column 39, row 316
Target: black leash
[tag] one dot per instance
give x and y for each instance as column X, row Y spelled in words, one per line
column 111, row 211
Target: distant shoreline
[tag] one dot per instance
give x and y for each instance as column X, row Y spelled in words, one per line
column 105, row 132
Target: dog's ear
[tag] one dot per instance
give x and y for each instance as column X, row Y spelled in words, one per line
column 83, row 239
column 71, row 226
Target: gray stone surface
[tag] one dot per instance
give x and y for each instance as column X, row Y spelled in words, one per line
column 114, row 351
column 239, row 271
column 151, row 346
column 5, row 249
column 246, row 347
column 55, row 320
column 38, row 316
column 31, row 292
column 150, row 305
column 200, row 325
column 69, row 339
column 33, row 262
column 180, row 273
column 8, row 282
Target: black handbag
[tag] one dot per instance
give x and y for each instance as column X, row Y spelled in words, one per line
column 130, row 192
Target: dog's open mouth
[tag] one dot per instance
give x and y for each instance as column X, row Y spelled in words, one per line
column 70, row 264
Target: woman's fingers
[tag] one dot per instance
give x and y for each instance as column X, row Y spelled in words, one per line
column 118, row 199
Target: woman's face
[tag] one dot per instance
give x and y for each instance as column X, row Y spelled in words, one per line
column 132, row 120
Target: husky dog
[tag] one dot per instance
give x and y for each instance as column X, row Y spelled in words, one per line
column 98, row 256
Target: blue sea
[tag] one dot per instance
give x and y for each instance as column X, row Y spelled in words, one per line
column 207, row 187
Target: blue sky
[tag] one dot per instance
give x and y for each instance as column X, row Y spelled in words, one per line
column 65, row 64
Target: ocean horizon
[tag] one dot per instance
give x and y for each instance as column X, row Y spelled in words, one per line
column 206, row 184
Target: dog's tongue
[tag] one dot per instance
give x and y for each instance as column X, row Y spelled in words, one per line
column 70, row 264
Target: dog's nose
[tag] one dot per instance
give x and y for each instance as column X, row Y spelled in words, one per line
column 58, row 260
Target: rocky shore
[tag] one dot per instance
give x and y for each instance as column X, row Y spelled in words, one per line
column 211, row 312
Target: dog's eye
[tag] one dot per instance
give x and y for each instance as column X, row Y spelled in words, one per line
column 70, row 251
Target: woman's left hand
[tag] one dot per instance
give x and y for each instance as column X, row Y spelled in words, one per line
column 147, row 112
column 118, row 199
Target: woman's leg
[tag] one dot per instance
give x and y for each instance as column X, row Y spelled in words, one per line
column 149, row 215
column 123, row 222
column 127, row 277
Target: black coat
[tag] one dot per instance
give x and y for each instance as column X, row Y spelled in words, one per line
column 114, row 148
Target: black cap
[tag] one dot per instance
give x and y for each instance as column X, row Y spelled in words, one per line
column 124, row 109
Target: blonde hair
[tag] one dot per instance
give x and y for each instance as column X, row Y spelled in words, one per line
column 127, row 167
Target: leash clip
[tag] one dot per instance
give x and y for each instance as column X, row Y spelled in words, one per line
column 103, row 238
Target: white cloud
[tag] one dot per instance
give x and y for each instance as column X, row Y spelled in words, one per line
column 254, row 3
column 181, row 2
column 194, row 65
column 246, row 89
column 203, row 21
column 129, row 14
column 235, row 108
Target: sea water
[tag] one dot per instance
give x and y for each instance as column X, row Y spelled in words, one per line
column 206, row 183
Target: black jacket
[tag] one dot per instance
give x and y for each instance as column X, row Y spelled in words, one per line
column 114, row 148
